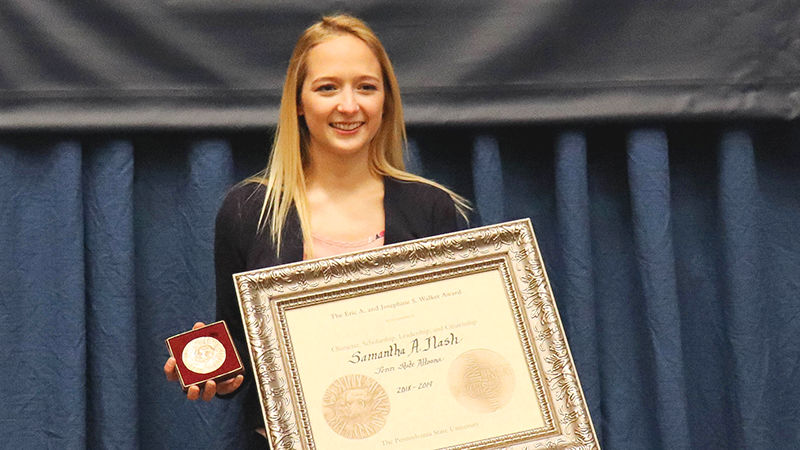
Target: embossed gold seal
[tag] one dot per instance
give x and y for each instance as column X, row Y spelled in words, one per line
column 481, row 380
column 203, row 355
column 355, row 406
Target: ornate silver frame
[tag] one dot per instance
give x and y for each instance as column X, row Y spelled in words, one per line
column 265, row 294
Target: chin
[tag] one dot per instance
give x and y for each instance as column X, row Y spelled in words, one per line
column 342, row 146
column 349, row 148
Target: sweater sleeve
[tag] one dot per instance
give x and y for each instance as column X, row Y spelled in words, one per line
column 229, row 258
column 235, row 238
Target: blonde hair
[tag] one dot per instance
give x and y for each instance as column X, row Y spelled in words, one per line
column 284, row 177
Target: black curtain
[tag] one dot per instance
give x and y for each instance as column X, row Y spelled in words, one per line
column 194, row 64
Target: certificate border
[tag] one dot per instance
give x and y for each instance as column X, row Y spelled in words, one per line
column 265, row 294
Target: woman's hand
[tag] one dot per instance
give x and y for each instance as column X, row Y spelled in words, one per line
column 210, row 388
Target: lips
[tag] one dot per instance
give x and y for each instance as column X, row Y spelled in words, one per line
column 346, row 126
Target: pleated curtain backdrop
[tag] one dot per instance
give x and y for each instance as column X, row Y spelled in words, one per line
column 672, row 251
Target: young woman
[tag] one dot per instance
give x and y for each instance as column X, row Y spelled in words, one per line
column 335, row 181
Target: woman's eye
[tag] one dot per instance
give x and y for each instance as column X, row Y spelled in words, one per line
column 326, row 88
column 368, row 87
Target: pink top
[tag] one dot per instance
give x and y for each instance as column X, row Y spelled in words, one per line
column 328, row 247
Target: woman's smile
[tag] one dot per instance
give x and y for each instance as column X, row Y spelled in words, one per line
column 347, row 127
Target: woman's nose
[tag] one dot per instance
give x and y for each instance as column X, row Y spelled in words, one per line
column 348, row 103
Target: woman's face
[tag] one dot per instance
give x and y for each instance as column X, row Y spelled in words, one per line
column 342, row 96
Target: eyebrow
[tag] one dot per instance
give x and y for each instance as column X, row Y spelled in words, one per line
column 359, row 78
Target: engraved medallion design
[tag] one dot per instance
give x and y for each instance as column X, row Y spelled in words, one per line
column 203, row 355
column 481, row 380
column 355, row 406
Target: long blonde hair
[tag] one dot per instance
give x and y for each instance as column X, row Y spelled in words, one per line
column 284, row 176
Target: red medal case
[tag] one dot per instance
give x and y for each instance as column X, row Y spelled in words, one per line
column 231, row 366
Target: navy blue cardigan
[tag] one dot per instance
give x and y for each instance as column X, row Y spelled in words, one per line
column 412, row 210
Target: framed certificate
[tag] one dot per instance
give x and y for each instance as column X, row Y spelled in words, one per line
column 452, row 341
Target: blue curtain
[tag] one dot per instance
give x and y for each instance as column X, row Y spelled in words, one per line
column 672, row 250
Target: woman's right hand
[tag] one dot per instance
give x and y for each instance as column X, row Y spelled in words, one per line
column 209, row 388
